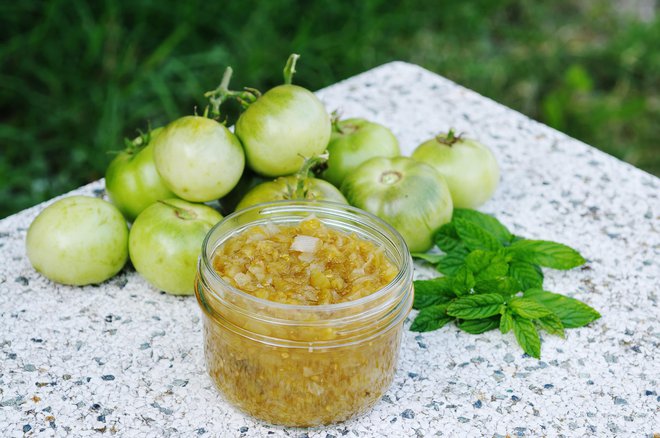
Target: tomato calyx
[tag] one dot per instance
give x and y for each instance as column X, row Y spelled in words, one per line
column 342, row 128
column 449, row 138
column 309, row 167
column 222, row 93
column 135, row 145
column 181, row 213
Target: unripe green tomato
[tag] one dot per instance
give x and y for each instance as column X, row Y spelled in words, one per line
column 132, row 181
column 411, row 196
column 469, row 167
column 166, row 240
column 354, row 141
column 199, row 159
column 284, row 188
column 78, row 240
column 282, row 127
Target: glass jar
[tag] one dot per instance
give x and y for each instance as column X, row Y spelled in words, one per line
column 303, row 365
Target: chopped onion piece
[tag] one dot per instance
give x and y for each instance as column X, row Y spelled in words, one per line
column 304, row 243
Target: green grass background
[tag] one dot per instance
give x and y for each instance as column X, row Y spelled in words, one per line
column 76, row 77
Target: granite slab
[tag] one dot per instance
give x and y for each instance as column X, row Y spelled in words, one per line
column 121, row 358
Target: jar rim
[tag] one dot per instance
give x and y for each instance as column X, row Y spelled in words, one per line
column 405, row 270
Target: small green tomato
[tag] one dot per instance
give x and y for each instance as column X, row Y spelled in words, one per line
column 284, row 126
column 354, row 141
column 199, row 159
column 469, row 167
column 285, row 188
column 166, row 240
column 78, row 240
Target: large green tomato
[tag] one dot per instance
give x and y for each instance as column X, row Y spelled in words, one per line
column 78, row 240
column 286, row 188
column 354, row 141
column 199, row 159
column 411, row 196
column 166, row 240
column 469, row 167
column 282, row 127
column 132, row 181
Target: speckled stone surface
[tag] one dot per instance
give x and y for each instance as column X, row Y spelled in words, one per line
column 122, row 358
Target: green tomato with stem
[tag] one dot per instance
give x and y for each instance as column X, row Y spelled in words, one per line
column 411, row 196
column 354, row 141
column 469, row 167
column 284, row 188
column 132, row 181
column 282, row 127
column 166, row 240
column 299, row 186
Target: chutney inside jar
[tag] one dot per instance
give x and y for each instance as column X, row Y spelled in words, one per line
column 304, row 306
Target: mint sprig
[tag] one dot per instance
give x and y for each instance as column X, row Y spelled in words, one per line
column 494, row 279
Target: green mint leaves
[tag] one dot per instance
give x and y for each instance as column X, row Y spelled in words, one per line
column 493, row 279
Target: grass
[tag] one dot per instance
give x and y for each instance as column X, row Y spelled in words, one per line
column 78, row 76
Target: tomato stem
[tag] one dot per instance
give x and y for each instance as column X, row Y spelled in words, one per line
column 303, row 174
column 449, row 138
column 132, row 147
column 290, row 68
column 222, row 93
column 335, row 118
column 181, row 213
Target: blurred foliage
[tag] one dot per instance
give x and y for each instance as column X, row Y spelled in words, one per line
column 77, row 76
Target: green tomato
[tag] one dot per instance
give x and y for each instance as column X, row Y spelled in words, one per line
column 285, row 188
column 132, row 181
column 354, row 141
column 282, row 127
column 469, row 167
column 411, row 196
column 166, row 240
column 78, row 240
column 199, row 159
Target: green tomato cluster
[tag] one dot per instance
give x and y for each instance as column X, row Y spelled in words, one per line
column 165, row 181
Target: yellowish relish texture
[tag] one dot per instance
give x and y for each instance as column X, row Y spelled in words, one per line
column 306, row 264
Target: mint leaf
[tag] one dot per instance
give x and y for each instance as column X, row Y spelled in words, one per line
column 545, row 253
column 485, row 221
column 431, row 258
column 476, row 306
column 462, row 281
column 551, row 324
column 529, row 275
column 431, row 292
column 571, row 312
column 506, row 321
column 527, row 336
column 475, row 237
column 506, row 286
column 447, row 239
column 452, row 261
column 431, row 318
column 486, row 265
column 528, row 308
column 478, row 326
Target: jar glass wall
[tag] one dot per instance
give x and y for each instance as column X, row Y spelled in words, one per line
column 305, row 365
